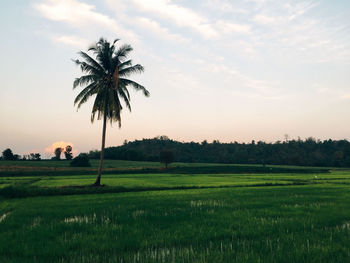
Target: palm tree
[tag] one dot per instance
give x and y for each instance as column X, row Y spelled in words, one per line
column 106, row 79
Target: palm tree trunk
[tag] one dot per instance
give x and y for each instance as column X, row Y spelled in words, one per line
column 98, row 179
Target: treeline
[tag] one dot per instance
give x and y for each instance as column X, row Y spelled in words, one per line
column 8, row 155
column 308, row 152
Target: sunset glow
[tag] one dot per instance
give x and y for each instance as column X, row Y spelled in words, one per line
column 60, row 144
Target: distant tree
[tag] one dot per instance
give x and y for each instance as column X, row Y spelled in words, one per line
column 37, row 157
column 31, row 157
column 94, row 154
column 68, row 152
column 82, row 160
column 166, row 157
column 307, row 152
column 57, row 153
column 286, row 137
column 163, row 138
column 7, row 155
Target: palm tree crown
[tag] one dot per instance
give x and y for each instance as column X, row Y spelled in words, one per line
column 106, row 78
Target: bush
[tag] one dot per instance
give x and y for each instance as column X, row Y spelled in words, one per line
column 82, row 160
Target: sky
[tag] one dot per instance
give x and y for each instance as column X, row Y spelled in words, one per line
column 216, row 69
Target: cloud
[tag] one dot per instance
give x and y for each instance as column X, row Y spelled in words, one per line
column 180, row 16
column 224, row 6
column 158, row 30
column 71, row 40
column 81, row 15
column 265, row 19
column 298, row 9
column 229, row 27
column 291, row 32
column 72, row 12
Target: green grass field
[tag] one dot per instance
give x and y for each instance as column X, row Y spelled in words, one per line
column 174, row 217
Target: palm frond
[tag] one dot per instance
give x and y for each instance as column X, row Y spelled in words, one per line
column 125, row 96
column 123, row 52
column 99, row 105
column 87, row 91
column 117, row 109
column 125, row 91
column 91, row 61
column 85, row 67
column 131, row 70
column 122, row 65
column 84, row 80
column 84, row 97
column 135, row 85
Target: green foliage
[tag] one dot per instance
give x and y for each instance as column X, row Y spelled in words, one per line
column 82, row 160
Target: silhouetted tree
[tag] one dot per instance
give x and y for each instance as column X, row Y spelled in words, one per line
column 68, row 152
column 57, row 153
column 32, row 157
column 166, row 157
column 106, row 79
column 37, row 157
column 7, row 155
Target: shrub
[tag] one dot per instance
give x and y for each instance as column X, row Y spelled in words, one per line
column 82, row 160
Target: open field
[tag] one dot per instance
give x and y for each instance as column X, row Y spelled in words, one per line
column 174, row 217
column 54, row 168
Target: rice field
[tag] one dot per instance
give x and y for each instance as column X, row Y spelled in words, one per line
column 217, row 218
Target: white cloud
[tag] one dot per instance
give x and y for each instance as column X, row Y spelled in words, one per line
column 72, row 41
column 298, row 9
column 265, row 19
column 81, row 15
column 158, row 30
column 229, row 27
column 73, row 12
column 181, row 16
column 224, row 6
